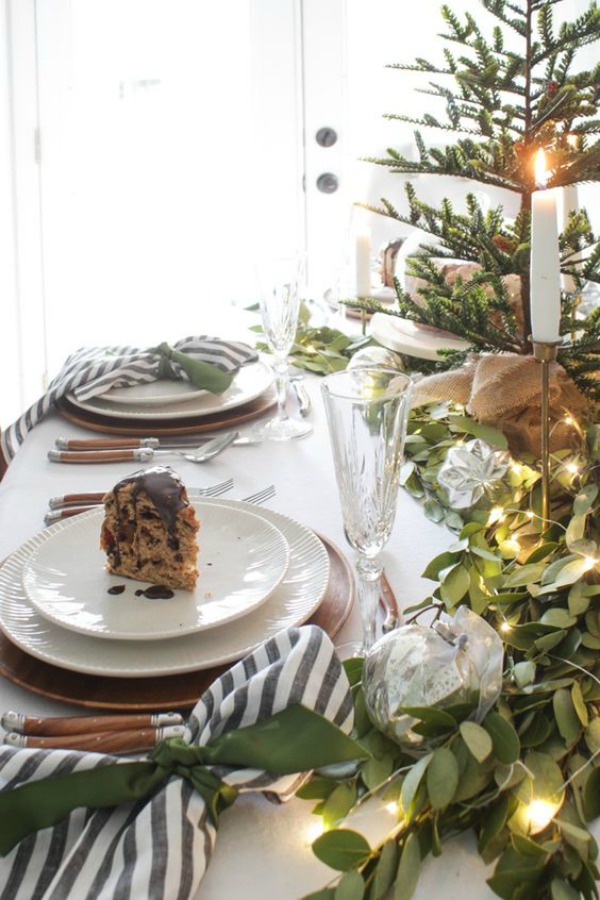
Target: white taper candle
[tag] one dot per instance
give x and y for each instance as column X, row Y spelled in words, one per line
column 545, row 262
column 363, row 262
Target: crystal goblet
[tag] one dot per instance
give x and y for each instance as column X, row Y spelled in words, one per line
column 280, row 282
column 367, row 411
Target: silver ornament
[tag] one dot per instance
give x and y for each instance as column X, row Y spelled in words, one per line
column 471, row 470
column 419, row 666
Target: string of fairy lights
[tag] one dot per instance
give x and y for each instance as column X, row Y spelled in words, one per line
column 539, row 812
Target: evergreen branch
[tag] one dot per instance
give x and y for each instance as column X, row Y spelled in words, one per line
column 430, row 122
column 584, row 30
column 497, row 8
column 425, row 67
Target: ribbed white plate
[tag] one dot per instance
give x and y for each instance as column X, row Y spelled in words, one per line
column 292, row 602
column 249, row 383
column 242, row 560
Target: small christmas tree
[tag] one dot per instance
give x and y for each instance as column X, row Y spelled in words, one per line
column 504, row 104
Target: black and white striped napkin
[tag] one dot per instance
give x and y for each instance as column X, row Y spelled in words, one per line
column 92, row 371
column 160, row 847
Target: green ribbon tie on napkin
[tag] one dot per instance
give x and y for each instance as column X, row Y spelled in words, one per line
column 204, row 375
column 294, row 740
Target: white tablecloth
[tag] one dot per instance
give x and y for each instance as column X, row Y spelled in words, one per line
column 263, row 850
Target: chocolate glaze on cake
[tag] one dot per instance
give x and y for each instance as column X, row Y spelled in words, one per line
column 164, row 488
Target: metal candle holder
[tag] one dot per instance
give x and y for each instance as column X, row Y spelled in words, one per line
column 545, row 352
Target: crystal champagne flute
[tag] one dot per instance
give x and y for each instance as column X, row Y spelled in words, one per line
column 280, row 283
column 367, row 411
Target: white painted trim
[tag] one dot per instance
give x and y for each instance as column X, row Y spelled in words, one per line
column 26, row 325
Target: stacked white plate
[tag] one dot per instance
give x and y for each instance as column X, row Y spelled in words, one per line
column 261, row 572
column 178, row 399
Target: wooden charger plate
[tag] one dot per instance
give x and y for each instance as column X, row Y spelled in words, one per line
column 163, row 692
column 158, row 427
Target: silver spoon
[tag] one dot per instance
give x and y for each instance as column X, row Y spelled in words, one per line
column 202, row 454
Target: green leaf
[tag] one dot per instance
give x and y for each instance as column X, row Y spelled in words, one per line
column 477, row 740
column 433, row 510
column 488, row 434
column 505, row 739
column 440, row 719
column 385, row 872
column 338, row 804
column 544, row 780
column 316, row 789
column 579, row 704
column 341, row 849
column 455, row 585
column 578, row 601
column 549, row 641
column 412, row 781
column 409, row 867
column 524, row 673
column 494, row 821
column 592, row 735
column 438, row 564
column 350, row 887
column 569, row 574
column 524, row 575
column 442, row 778
column 558, row 618
column 584, row 499
column 354, row 669
column 578, row 834
column 566, row 717
column 562, row 890
column 514, row 871
column 575, row 531
column 591, row 795
column 590, row 641
column 375, row 771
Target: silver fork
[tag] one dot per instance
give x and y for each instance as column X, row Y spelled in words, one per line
column 215, row 490
column 61, row 508
column 261, row 496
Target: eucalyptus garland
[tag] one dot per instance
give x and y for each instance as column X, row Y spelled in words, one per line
column 538, row 584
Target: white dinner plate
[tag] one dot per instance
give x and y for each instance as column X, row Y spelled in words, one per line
column 406, row 336
column 242, row 560
column 292, row 602
column 249, row 383
column 155, row 393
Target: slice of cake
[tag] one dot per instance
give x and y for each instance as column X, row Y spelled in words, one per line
column 149, row 531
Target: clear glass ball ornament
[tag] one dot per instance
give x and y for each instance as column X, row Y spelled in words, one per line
column 376, row 356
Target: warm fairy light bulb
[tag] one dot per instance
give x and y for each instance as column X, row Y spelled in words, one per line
column 496, row 515
column 589, row 562
column 392, row 808
column 505, row 627
column 569, row 420
column 511, row 545
column 530, row 514
column 315, row 830
column 539, row 813
column 516, row 468
column 572, row 468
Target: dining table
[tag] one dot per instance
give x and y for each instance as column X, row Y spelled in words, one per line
column 263, row 848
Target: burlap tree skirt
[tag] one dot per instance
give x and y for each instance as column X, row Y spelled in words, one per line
column 504, row 390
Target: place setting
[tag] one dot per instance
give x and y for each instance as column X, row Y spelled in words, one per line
column 170, row 406
column 62, row 612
